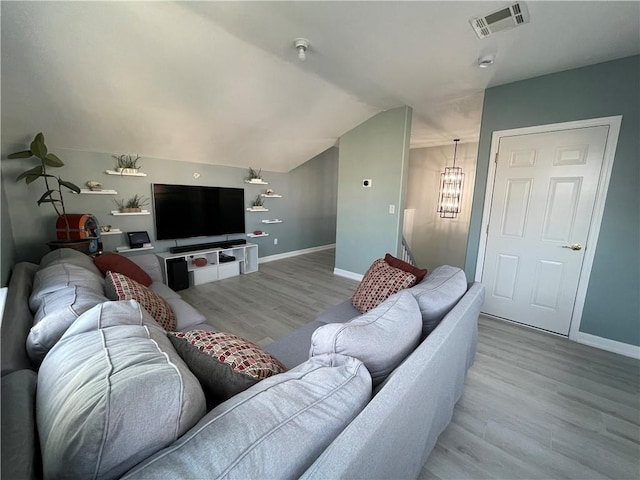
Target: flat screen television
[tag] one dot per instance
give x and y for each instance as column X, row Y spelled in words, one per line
column 184, row 211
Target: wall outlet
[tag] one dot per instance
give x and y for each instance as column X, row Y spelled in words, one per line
column 275, row 241
column 392, row 209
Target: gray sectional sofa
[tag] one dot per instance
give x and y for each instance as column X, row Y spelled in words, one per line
column 366, row 396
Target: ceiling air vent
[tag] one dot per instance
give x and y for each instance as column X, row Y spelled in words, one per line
column 514, row 15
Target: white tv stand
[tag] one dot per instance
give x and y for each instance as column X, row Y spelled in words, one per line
column 246, row 262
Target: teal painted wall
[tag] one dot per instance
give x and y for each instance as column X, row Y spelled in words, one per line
column 307, row 206
column 612, row 88
column 378, row 150
column 8, row 250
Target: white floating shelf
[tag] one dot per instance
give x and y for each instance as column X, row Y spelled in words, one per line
column 118, row 212
column 256, row 182
column 113, row 172
column 270, row 195
column 104, row 191
column 257, row 209
column 253, row 235
column 129, row 249
column 275, row 220
column 113, row 231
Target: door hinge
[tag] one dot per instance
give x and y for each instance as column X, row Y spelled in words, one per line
column 496, row 159
column 487, row 229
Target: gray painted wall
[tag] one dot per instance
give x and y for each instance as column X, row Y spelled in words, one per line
column 612, row 88
column 307, row 206
column 436, row 241
column 378, row 150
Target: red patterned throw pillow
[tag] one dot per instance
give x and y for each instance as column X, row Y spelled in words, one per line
column 242, row 355
column 420, row 273
column 379, row 283
column 224, row 364
column 119, row 287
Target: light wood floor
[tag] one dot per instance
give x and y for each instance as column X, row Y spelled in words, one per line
column 534, row 406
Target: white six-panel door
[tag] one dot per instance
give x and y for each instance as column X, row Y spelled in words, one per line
column 543, row 200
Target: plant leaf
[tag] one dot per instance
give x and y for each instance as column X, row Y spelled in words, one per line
column 52, row 161
column 38, row 147
column 69, row 185
column 32, row 178
column 45, row 195
column 37, row 171
column 49, row 200
column 22, row 154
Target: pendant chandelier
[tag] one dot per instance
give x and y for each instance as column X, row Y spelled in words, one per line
column 450, row 194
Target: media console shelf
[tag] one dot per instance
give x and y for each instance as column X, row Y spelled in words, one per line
column 246, row 261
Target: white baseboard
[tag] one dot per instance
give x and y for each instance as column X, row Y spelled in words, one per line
column 609, row 345
column 347, row 274
column 295, row 253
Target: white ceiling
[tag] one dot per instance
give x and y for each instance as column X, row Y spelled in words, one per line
column 220, row 82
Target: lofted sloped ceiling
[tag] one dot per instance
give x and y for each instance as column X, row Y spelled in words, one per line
column 220, row 82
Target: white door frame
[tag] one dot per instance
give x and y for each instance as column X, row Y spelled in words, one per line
column 598, row 209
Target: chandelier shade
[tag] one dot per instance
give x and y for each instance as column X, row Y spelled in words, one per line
column 450, row 194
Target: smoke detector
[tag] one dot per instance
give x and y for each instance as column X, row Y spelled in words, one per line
column 505, row 18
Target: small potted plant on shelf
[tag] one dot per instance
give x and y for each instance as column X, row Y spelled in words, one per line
column 94, row 186
column 127, row 163
column 53, row 193
column 132, row 205
column 255, row 176
column 258, row 203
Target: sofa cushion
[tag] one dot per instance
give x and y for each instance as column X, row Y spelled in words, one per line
column 57, row 312
column 293, row 349
column 118, row 263
column 225, row 364
column 120, row 287
column 381, row 338
column 380, row 282
column 186, row 316
column 61, row 275
column 340, row 313
column 420, row 273
column 437, row 294
column 150, row 264
column 70, row 257
column 275, row 429
column 110, row 393
column 19, row 442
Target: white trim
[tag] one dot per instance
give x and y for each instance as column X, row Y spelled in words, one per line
column 609, row 345
column 3, row 301
column 295, row 253
column 613, row 123
column 348, row 274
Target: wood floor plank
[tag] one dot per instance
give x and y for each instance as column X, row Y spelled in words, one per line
column 535, row 405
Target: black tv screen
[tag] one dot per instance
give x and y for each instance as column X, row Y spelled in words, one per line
column 183, row 211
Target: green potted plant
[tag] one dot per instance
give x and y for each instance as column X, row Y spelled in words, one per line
column 258, row 202
column 132, row 205
column 255, row 176
column 53, row 194
column 127, row 163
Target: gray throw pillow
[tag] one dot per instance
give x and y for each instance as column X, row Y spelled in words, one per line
column 112, row 392
column 57, row 312
column 275, row 429
column 380, row 338
column 70, row 257
column 58, row 276
column 437, row 294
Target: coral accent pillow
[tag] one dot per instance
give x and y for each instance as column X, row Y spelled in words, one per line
column 117, row 263
column 223, row 363
column 120, row 287
column 379, row 283
column 420, row 273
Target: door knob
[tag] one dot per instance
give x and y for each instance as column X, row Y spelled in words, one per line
column 575, row 246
